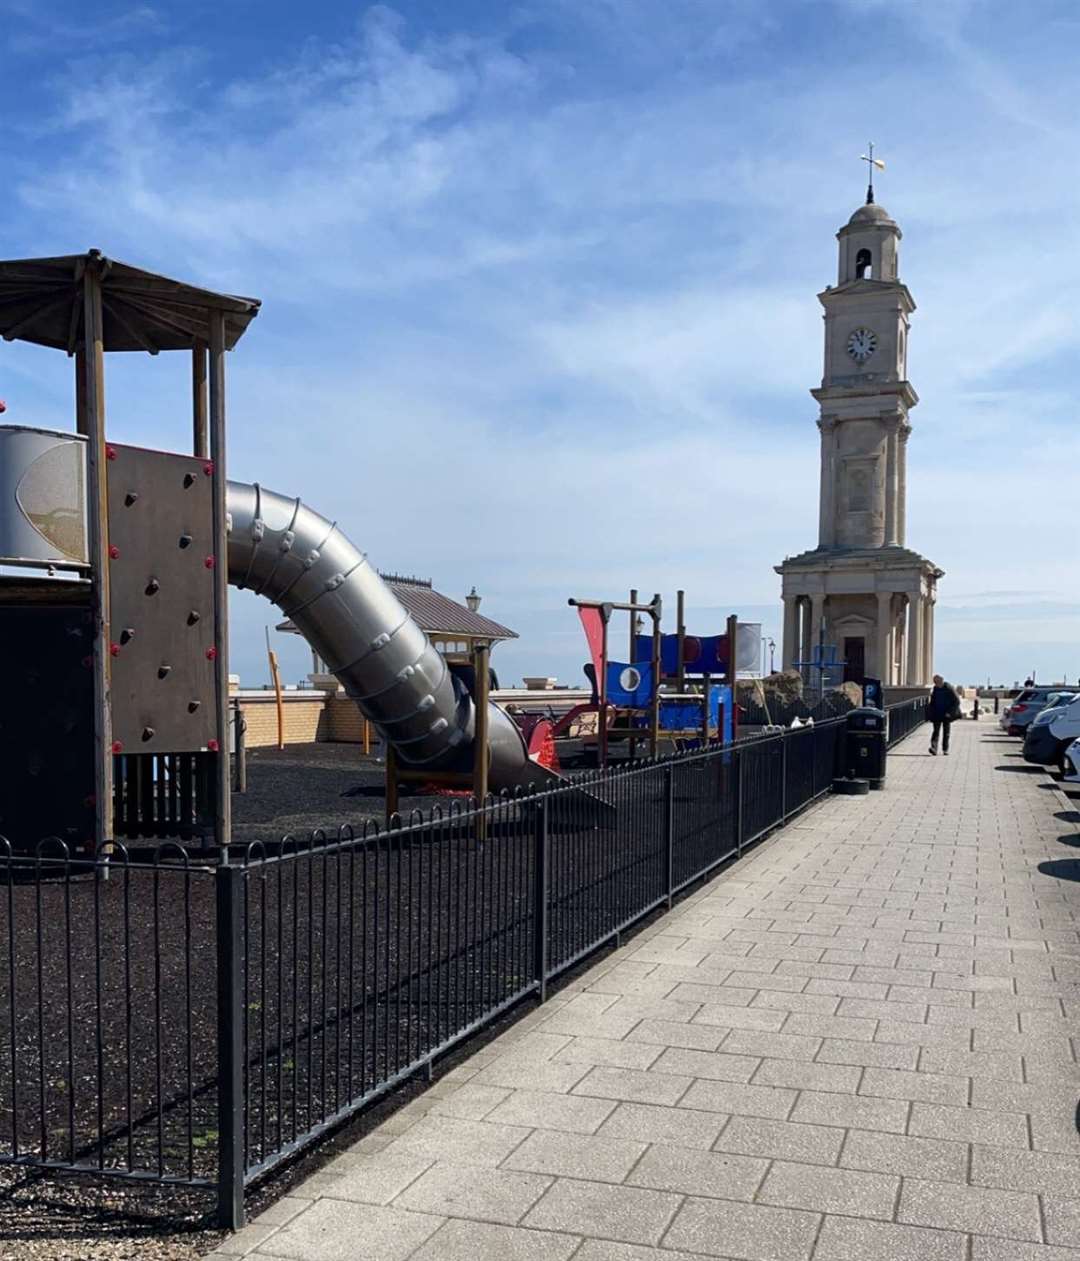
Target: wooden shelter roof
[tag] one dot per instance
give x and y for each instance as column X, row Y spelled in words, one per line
column 435, row 613
column 41, row 301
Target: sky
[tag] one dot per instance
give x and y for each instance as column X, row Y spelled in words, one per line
column 539, row 279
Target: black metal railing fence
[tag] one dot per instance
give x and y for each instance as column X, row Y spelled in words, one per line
column 903, row 718
column 198, row 1019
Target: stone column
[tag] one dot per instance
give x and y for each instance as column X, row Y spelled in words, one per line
column 804, row 628
column 900, row 643
column 901, row 486
column 817, row 609
column 892, row 522
column 791, row 631
column 915, row 675
column 884, row 636
column 928, row 639
column 827, row 498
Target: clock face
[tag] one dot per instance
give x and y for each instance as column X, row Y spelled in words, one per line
column 861, row 344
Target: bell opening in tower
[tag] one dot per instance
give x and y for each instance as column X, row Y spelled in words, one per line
column 864, row 265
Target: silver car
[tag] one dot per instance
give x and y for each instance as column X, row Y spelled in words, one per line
column 1021, row 712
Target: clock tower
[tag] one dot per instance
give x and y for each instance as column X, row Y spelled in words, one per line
column 861, row 589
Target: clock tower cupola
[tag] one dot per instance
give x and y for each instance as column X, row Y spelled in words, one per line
column 864, row 394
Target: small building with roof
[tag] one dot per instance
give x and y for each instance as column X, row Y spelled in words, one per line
column 453, row 628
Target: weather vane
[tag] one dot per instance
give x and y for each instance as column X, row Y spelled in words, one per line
column 871, row 162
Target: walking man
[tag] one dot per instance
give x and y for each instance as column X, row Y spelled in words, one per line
column 943, row 710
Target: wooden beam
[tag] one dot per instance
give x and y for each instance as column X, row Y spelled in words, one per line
column 98, row 550
column 74, row 321
column 223, row 815
column 161, row 290
column 135, row 335
column 481, row 660
column 15, row 331
column 81, row 423
column 199, row 425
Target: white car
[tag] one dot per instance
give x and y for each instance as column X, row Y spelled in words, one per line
column 1071, row 763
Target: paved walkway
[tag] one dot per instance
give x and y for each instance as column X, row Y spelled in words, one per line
column 854, row 1045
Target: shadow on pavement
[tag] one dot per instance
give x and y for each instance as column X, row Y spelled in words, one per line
column 1026, row 769
column 1061, row 868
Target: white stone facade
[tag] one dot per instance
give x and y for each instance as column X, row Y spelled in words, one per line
column 861, row 588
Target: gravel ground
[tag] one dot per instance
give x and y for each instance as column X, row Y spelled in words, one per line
column 69, row 1219
column 306, row 786
column 43, row 1220
column 290, row 791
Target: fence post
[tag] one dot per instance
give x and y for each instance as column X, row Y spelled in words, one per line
column 738, row 754
column 228, row 881
column 669, row 833
column 541, row 856
column 783, row 775
column 240, row 747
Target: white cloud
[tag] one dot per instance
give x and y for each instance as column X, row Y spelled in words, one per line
column 540, row 305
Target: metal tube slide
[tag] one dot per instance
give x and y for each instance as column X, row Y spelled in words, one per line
column 280, row 548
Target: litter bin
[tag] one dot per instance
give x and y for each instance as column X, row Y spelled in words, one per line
column 864, row 745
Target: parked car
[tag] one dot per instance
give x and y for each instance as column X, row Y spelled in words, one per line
column 1016, row 717
column 1045, row 742
column 1058, row 701
column 1072, row 763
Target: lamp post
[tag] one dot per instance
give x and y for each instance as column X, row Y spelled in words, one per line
column 472, row 601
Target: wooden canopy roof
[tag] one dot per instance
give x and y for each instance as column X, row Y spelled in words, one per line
column 41, row 301
column 435, row 613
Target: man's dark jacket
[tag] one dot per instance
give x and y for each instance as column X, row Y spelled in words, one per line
column 944, row 703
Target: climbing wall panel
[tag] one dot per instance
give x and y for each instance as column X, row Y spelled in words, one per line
column 161, row 572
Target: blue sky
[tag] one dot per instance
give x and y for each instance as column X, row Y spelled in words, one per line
column 539, row 279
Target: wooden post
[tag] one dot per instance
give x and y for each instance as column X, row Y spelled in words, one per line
column 632, row 658
column 81, row 424
column 223, row 812
column 275, row 679
column 200, row 443
column 733, row 670
column 605, row 614
column 240, row 748
column 481, row 663
column 98, row 517
column 367, row 737
column 654, row 709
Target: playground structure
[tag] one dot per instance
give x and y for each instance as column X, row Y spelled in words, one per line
column 130, row 653
column 648, row 697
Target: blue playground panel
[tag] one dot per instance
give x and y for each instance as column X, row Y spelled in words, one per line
column 684, row 714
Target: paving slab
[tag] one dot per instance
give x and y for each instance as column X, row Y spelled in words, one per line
column 857, row 1043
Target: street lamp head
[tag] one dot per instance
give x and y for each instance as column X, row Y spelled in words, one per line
column 472, row 601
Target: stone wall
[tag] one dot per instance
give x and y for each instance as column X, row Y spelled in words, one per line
column 310, row 715
column 303, row 717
